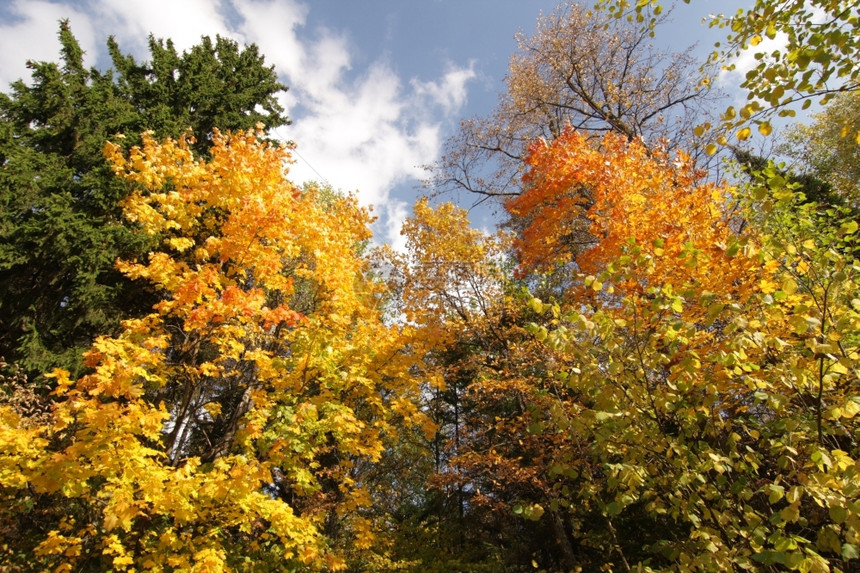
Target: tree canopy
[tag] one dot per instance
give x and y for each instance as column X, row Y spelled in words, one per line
column 649, row 368
column 581, row 68
column 827, row 149
column 818, row 59
column 222, row 429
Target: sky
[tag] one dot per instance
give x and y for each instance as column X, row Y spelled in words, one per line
column 376, row 86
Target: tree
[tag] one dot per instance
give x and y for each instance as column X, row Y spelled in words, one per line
column 585, row 69
column 493, row 502
column 450, row 282
column 214, row 85
column 61, row 228
column 826, row 150
column 637, row 201
column 694, row 406
column 223, row 430
column 817, row 62
column 707, row 377
column 588, row 203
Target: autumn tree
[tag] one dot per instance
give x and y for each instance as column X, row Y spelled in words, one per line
column 61, row 227
column 226, row 429
column 444, row 283
column 582, row 68
column 623, row 192
column 694, row 405
column 709, row 376
column 636, row 197
column 827, row 149
column 817, row 62
column 483, row 506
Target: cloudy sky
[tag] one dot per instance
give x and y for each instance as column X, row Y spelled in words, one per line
column 376, row 86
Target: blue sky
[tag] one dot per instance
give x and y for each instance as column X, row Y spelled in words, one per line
column 376, row 86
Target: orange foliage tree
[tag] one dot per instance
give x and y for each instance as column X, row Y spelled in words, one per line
column 224, row 429
column 707, row 376
column 591, row 203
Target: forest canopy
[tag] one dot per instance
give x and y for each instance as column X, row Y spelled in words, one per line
column 652, row 365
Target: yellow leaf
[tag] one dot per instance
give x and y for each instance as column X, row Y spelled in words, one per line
column 181, row 244
column 213, row 408
column 743, row 134
column 850, row 409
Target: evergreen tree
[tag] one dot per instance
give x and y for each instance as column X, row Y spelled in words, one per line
column 61, row 228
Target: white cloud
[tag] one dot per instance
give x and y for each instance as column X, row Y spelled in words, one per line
column 363, row 136
column 451, row 92
column 396, row 213
column 32, row 35
column 368, row 133
column 273, row 26
column 747, row 60
column 183, row 21
column 373, row 134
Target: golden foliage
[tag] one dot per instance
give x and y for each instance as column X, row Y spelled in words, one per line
column 225, row 424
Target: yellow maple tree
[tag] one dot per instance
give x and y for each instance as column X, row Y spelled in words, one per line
column 223, row 430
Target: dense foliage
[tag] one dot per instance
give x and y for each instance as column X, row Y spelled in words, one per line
column 649, row 369
column 223, row 428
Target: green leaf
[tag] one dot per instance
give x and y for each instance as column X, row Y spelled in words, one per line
column 776, row 181
column 848, row 228
column 776, row 493
column 771, row 30
column 837, row 513
column 799, row 324
column 533, row 512
column 759, row 192
column 733, row 249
